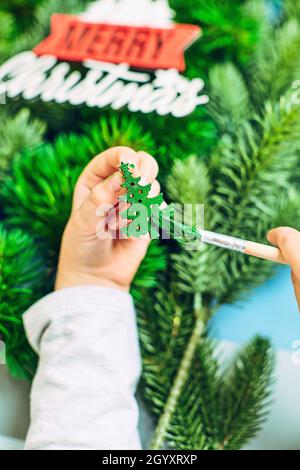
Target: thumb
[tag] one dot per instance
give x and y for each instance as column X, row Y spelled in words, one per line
column 288, row 240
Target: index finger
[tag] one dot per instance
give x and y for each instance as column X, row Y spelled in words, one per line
column 288, row 240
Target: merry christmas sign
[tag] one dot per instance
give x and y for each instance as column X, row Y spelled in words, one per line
column 130, row 55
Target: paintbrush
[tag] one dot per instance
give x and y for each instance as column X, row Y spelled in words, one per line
column 259, row 250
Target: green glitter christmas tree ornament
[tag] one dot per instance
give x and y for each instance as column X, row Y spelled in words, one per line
column 145, row 213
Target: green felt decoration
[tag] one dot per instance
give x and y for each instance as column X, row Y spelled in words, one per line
column 141, row 205
column 145, row 213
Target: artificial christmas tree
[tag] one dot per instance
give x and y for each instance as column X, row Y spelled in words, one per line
column 238, row 155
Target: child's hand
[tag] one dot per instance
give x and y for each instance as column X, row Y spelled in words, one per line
column 288, row 240
column 84, row 258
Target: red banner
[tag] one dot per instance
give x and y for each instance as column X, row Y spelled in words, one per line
column 142, row 47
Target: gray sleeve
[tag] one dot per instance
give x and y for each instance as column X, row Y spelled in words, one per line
column 83, row 394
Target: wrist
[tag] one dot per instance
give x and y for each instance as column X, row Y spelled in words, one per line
column 64, row 280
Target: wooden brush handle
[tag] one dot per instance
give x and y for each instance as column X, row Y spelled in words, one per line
column 264, row 251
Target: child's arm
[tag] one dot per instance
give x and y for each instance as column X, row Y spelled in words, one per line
column 85, row 332
column 83, row 393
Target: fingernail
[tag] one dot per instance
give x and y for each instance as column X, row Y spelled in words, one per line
column 131, row 162
column 143, row 181
column 115, row 181
column 127, row 159
column 270, row 234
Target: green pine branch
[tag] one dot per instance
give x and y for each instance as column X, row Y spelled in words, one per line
column 276, row 63
column 21, row 280
column 180, row 379
column 119, row 130
column 16, row 134
column 246, row 394
column 252, row 171
column 32, row 199
column 231, row 29
column 147, row 274
column 229, row 98
column 33, row 26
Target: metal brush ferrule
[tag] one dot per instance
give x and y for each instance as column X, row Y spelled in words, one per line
column 223, row 241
